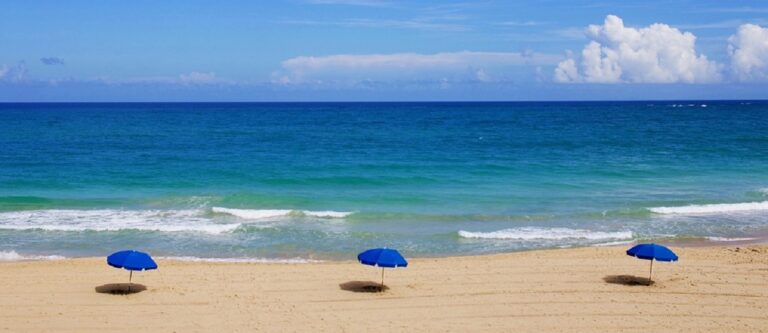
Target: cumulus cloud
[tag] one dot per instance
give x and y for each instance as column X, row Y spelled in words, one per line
column 14, row 73
column 465, row 65
column 654, row 54
column 748, row 49
column 52, row 61
column 567, row 71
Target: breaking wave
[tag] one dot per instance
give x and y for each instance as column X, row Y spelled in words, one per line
column 257, row 214
column 15, row 256
column 614, row 243
column 729, row 239
column 711, row 208
column 113, row 220
column 533, row 233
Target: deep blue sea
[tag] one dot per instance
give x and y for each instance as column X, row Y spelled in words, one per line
column 323, row 181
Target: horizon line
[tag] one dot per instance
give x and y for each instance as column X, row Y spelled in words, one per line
column 392, row 102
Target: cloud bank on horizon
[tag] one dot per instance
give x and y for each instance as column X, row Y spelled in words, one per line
column 461, row 66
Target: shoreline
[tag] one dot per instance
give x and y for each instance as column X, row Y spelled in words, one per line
column 582, row 289
column 692, row 242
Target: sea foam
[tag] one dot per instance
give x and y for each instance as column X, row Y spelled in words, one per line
column 15, row 256
column 533, row 233
column 712, row 208
column 113, row 220
column 729, row 239
column 258, row 214
column 614, row 243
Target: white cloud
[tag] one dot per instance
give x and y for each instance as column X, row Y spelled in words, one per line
column 654, row 54
column 566, row 71
column 748, row 49
column 482, row 76
column 14, row 73
column 465, row 65
column 190, row 79
column 198, row 78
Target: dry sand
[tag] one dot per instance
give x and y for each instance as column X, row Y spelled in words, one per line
column 570, row 290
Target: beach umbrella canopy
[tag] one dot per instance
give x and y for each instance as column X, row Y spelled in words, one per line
column 131, row 260
column 652, row 252
column 382, row 257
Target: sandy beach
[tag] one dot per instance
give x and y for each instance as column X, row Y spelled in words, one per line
column 712, row 289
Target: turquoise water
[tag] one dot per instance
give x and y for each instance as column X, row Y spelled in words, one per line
column 326, row 180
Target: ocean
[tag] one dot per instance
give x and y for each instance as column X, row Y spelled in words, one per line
column 297, row 182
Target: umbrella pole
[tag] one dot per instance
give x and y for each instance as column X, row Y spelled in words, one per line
column 382, row 279
column 650, row 275
column 130, row 277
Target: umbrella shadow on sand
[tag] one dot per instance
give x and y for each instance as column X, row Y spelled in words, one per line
column 120, row 288
column 628, row 280
column 363, row 287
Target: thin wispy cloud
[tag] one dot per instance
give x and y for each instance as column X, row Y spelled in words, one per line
column 522, row 23
column 384, row 24
column 746, row 9
column 570, row 33
column 363, row 3
column 727, row 24
column 407, row 24
column 525, row 35
column 555, row 36
column 458, row 7
column 614, row 6
column 443, row 17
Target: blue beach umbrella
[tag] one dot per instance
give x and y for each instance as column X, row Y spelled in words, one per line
column 131, row 260
column 382, row 257
column 652, row 252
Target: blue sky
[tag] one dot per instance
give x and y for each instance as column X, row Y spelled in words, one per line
column 382, row 50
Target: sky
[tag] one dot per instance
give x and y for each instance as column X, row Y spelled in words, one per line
column 382, row 50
